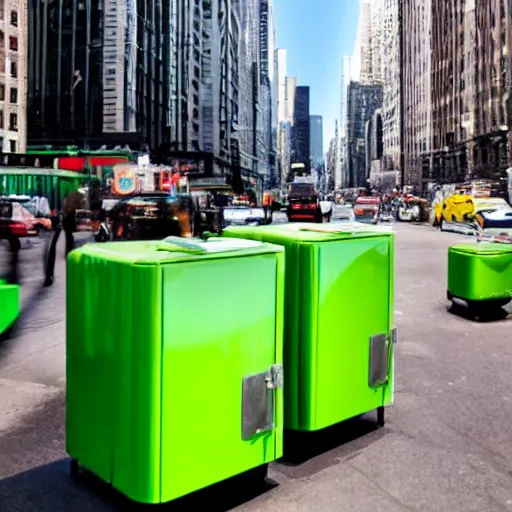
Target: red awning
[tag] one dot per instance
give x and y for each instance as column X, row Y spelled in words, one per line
column 71, row 163
column 107, row 161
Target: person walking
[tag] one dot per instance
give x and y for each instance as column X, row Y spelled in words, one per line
column 71, row 205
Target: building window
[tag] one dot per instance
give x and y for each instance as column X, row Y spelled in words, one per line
column 14, row 95
column 2, row 9
column 12, row 144
column 2, row 92
column 1, row 120
column 13, row 122
column 14, row 18
column 14, row 69
column 2, row 52
column 13, row 43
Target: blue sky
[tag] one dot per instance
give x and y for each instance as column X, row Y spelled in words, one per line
column 317, row 34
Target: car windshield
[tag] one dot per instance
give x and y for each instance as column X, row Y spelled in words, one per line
column 5, row 210
column 302, row 190
column 497, row 223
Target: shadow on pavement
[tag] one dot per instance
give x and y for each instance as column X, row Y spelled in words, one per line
column 494, row 315
column 51, row 488
column 312, row 452
column 35, row 301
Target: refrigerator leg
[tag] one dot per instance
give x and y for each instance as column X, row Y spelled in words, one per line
column 75, row 469
column 381, row 420
column 259, row 474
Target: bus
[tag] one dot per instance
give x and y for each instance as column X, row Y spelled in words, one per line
column 98, row 163
column 54, row 184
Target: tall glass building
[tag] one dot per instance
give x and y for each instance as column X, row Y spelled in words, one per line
column 98, row 71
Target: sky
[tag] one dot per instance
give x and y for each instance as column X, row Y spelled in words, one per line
column 317, row 34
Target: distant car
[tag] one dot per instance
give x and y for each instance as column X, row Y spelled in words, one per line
column 345, row 212
column 367, row 209
column 243, row 216
column 495, row 222
column 467, row 214
column 305, row 204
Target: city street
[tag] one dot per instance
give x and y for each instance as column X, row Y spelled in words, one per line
column 446, row 446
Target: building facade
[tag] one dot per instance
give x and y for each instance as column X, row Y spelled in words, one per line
column 470, row 91
column 457, row 77
column 13, row 65
column 363, row 101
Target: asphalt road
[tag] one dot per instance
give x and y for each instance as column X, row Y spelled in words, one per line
column 447, row 444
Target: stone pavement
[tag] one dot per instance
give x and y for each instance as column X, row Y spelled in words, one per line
column 446, row 447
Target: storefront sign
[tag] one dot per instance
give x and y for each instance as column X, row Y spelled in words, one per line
column 125, row 179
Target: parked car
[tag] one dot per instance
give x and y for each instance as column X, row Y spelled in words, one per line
column 20, row 221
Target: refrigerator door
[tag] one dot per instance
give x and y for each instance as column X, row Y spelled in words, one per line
column 347, row 359
column 222, row 348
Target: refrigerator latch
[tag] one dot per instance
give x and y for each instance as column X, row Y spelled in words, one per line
column 380, row 346
column 275, row 377
column 393, row 337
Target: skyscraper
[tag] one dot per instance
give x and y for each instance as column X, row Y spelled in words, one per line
column 246, row 14
column 363, row 50
column 363, row 101
column 300, row 129
column 282, row 74
column 316, row 149
column 269, row 87
column 291, row 93
column 391, row 90
column 93, row 72
column 417, row 93
column 340, row 174
column 284, row 124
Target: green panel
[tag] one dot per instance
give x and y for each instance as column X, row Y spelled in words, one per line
column 9, row 305
column 488, row 248
column 480, row 271
column 331, row 273
column 352, row 304
column 116, row 306
column 235, row 337
column 113, row 380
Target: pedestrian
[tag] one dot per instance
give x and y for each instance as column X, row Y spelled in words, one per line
column 68, row 224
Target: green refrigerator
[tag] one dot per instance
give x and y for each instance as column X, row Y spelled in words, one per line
column 480, row 274
column 174, row 363
column 339, row 335
column 9, row 305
